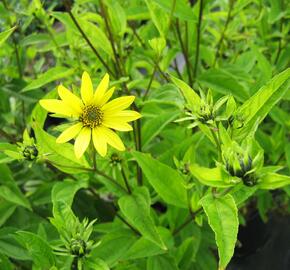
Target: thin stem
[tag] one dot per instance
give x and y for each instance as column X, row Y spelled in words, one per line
column 187, row 221
column 217, row 142
column 125, row 179
column 280, row 39
column 139, row 148
column 177, row 69
column 171, row 13
column 138, row 37
column 128, row 224
column 198, row 38
column 150, row 82
column 111, row 179
column 231, row 5
column 67, row 6
column 223, row 193
column 94, row 158
column 184, row 52
column 114, row 212
column 110, row 35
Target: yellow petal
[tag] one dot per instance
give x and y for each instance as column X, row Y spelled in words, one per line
column 118, row 104
column 112, row 138
column 101, row 89
column 82, row 142
column 69, row 133
column 87, row 91
column 124, row 116
column 58, row 107
column 106, row 97
column 117, row 125
column 70, row 99
column 99, row 141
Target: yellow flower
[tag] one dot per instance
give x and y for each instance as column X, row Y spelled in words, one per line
column 95, row 117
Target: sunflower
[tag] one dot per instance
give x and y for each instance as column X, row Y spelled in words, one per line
column 93, row 116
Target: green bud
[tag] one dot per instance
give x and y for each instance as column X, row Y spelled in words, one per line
column 30, row 152
column 115, row 159
column 78, row 247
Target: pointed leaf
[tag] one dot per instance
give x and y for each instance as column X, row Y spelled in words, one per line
column 222, row 214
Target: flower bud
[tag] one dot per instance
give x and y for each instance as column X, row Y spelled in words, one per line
column 30, row 152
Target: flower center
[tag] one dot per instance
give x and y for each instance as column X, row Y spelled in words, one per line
column 92, row 116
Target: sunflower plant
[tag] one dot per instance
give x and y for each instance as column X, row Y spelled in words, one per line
column 144, row 135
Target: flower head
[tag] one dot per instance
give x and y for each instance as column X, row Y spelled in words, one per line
column 95, row 117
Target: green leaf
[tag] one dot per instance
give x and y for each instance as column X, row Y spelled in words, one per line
column 50, row 75
column 66, row 190
column 161, row 262
column 191, row 97
column 214, row 177
column 5, row 34
column 259, row 105
column 5, row 263
column 6, row 210
column 117, row 17
column 39, row 250
column 136, row 208
column 182, row 9
column 222, row 214
column 167, row 182
column 273, row 181
column 96, row 264
column 143, row 248
column 10, row 247
column 96, row 36
column 9, row 189
column 155, row 125
column 11, row 196
column 223, row 82
column 158, row 17
column 61, row 157
column 114, row 246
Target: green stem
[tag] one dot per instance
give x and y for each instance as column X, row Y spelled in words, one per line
column 111, row 179
column 280, row 39
column 150, row 82
column 110, row 35
column 67, row 6
column 171, row 13
column 217, row 142
column 125, row 179
column 198, row 38
column 223, row 193
column 231, row 5
column 186, row 57
column 187, row 221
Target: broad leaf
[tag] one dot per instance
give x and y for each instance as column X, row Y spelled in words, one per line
column 61, row 157
column 192, row 98
column 214, row 177
column 9, row 189
column 273, row 181
column 259, row 105
column 222, row 214
column 162, row 262
column 136, row 209
column 167, row 182
column 66, row 190
column 39, row 250
column 155, row 125
column 51, row 75
column 5, row 34
column 223, row 82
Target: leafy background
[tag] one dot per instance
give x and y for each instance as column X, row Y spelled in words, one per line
column 231, row 47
